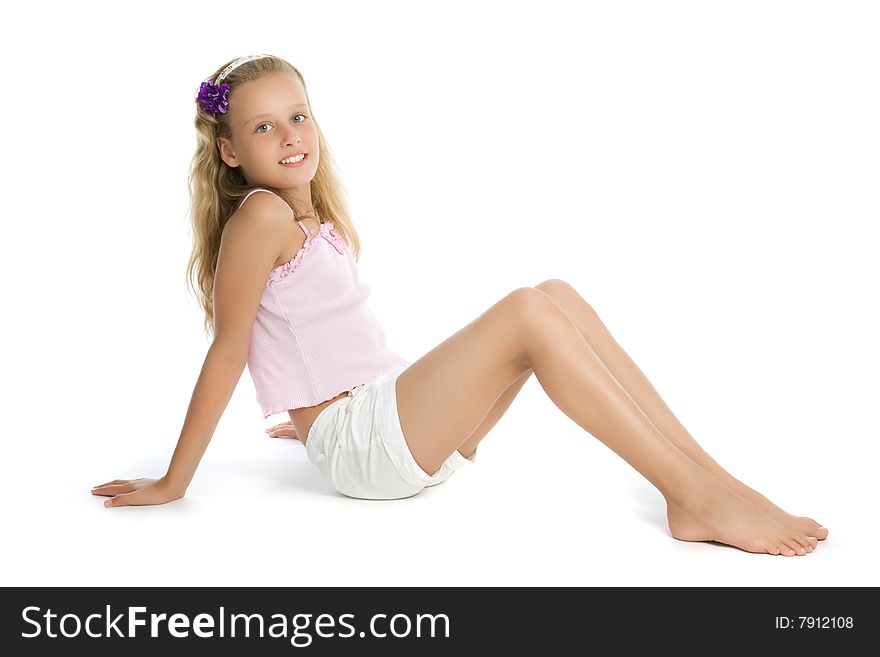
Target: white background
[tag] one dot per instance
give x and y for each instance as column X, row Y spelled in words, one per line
column 704, row 173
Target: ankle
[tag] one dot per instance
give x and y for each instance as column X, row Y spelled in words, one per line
column 694, row 493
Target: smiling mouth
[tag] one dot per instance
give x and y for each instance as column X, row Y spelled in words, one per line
column 288, row 164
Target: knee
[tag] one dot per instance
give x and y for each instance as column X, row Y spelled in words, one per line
column 526, row 313
column 561, row 292
column 533, row 305
column 554, row 287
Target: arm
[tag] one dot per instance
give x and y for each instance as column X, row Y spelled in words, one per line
column 219, row 376
column 251, row 243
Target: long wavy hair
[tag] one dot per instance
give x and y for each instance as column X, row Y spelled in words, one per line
column 215, row 189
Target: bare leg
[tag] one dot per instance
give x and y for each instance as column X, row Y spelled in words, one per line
column 469, row 447
column 445, row 395
column 646, row 396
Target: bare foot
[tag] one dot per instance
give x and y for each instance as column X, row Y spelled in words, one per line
column 810, row 526
column 801, row 523
column 712, row 512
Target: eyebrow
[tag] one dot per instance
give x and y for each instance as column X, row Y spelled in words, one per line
column 260, row 116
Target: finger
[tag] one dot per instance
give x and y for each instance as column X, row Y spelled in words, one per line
column 119, row 500
column 115, row 481
column 113, row 489
column 107, row 489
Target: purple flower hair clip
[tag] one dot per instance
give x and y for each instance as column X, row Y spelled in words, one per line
column 213, row 95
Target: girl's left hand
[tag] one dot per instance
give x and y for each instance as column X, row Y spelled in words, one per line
column 137, row 492
column 282, row 430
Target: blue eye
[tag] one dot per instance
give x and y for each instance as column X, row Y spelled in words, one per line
column 262, row 124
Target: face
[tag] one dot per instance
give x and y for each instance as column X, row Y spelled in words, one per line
column 271, row 120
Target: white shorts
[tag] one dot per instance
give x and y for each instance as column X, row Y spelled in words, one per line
column 358, row 445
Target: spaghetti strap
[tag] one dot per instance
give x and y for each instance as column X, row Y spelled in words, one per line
column 304, row 229
column 257, row 189
column 247, row 196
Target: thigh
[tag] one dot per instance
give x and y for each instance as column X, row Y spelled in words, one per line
column 445, row 395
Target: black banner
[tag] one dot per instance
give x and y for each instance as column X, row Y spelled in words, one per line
column 430, row 620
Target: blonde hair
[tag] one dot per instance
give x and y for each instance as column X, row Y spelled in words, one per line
column 215, row 189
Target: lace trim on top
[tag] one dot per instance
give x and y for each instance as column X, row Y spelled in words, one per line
column 327, row 231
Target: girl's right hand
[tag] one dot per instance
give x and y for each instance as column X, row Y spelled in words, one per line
column 282, row 429
column 137, row 492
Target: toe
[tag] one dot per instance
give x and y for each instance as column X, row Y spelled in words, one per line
column 817, row 530
column 789, row 547
column 804, row 546
column 808, row 542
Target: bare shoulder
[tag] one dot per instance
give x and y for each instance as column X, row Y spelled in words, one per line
column 261, row 208
column 261, row 223
column 254, row 236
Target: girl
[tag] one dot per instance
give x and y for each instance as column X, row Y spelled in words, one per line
column 274, row 256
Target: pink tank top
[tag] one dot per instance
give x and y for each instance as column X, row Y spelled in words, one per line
column 314, row 335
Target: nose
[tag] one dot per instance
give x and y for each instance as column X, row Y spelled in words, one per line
column 292, row 137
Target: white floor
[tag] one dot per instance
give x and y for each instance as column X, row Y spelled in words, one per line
column 545, row 504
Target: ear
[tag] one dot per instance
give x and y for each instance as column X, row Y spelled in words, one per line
column 226, row 152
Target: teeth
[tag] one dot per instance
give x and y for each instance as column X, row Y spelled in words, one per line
column 294, row 159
